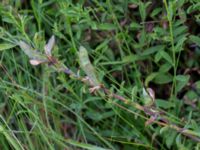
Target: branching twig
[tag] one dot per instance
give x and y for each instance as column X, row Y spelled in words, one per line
column 149, row 111
column 156, row 116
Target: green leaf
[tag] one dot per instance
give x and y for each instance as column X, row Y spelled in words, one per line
column 96, row 116
column 182, row 14
column 179, row 30
column 5, row 46
column 167, row 57
column 179, row 45
column 158, row 56
column 164, row 129
column 193, row 8
column 150, row 78
column 153, row 49
column 102, row 45
column 197, row 83
column 195, row 39
column 135, row 26
column 106, row 26
column 164, row 104
column 179, row 144
column 165, row 67
column 83, row 145
column 168, row 132
column 156, row 11
column 182, row 80
column 170, row 141
column 142, row 9
column 11, row 138
column 163, row 78
column 132, row 58
column 93, row 115
column 171, row 12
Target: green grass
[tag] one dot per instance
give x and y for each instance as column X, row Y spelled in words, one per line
column 133, row 45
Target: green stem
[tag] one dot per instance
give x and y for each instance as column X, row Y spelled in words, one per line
column 173, row 90
column 71, row 34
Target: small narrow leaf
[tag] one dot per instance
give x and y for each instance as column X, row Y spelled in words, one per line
column 87, row 66
column 135, row 26
column 167, row 57
column 179, row 30
column 182, row 80
column 165, row 67
column 49, row 46
column 195, row 39
column 157, row 57
column 153, row 49
column 5, row 46
column 179, row 45
column 106, row 26
column 28, row 50
column 164, row 104
column 171, row 12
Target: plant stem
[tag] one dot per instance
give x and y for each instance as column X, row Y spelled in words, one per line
column 148, row 110
column 173, row 90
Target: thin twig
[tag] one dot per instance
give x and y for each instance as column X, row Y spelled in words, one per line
column 149, row 111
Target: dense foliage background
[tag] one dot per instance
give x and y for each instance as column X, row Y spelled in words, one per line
column 133, row 45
